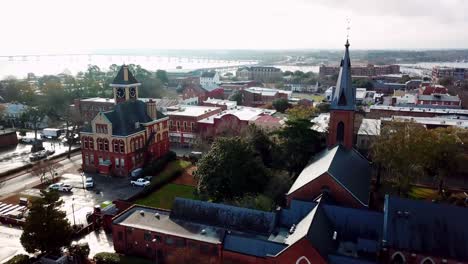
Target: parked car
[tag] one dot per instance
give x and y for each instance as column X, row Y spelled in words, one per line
column 38, row 156
column 140, row 182
column 61, row 187
column 137, row 172
column 89, row 183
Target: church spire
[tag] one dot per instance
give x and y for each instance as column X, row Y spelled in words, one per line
column 344, row 96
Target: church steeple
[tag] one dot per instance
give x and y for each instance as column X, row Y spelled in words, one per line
column 343, row 105
column 344, row 97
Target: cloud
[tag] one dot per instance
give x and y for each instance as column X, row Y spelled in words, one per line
column 446, row 11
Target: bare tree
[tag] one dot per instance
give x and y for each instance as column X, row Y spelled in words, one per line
column 46, row 170
column 74, row 124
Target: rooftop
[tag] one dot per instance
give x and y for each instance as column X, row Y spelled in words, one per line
column 347, row 167
column 267, row 91
column 145, row 218
column 227, row 103
column 370, row 127
column 125, row 77
column 420, row 109
column 244, row 113
column 439, row 97
column 436, row 121
column 190, row 110
column 99, row 100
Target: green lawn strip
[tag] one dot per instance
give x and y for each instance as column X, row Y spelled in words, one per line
column 164, row 197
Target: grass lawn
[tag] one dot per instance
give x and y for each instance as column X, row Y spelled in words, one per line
column 316, row 98
column 422, row 193
column 164, row 197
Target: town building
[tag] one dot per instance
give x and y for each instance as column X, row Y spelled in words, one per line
column 209, row 80
column 455, row 74
column 268, row 123
column 231, row 122
column 367, row 70
column 12, row 112
column 432, row 89
column 258, row 96
column 183, row 122
column 430, row 122
column 88, row 108
column 127, row 137
column 180, row 76
column 439, row 100
column 378, row 111
column 259, row 73
column 8, row 138
column 223, row 104
column 230, row 87
column 413, row 84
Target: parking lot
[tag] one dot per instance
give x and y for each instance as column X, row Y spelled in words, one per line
column 81, row 201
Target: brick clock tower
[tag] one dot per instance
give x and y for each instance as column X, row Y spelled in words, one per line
column 125, row 86
column 341, row 125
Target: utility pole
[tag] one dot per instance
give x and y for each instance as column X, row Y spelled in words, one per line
column 73, row 211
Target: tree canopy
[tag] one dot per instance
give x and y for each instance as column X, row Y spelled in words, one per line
column 230, row 169
column 46, row 228
column 280, row 104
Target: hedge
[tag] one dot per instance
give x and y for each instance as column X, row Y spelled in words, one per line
column 19, row 259
column 107, row 258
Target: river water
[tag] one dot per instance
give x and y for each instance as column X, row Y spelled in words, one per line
column 72, row 64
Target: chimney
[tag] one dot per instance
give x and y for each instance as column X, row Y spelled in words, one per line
column 151, row 109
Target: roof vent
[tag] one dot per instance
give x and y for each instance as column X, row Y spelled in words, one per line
column 137, row 124
column 203, row 231
column 157, row 216
column 335, row 235
column 142, row 213
column 292, row 229
column 399, row 213
column 407, row 214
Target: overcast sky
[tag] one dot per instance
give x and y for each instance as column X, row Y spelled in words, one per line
column 80, row 25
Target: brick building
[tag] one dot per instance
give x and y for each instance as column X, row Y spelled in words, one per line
column 125, row 138
column 8, row 138
column 258, row 96
column 88, row 108
column 455, row 74
column 232, row 121
column 183, row 122
column 378, row 111
column 439, row 100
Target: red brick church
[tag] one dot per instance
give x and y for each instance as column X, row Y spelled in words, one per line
column 125, row 138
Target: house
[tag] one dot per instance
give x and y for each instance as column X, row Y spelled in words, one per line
column 12, row 112
column 368, row 131
column 183, row 122
column 209, row 80
column 192, row 91
column 127, row 137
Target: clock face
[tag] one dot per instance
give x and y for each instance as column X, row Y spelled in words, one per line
column 133, row 92
column 120, row 93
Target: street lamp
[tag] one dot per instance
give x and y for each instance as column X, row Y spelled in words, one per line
column 73, row 212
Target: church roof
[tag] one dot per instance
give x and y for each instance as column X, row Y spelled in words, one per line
column 344, row 96
column 429, row 228
column 346, row 166
column 124, row 76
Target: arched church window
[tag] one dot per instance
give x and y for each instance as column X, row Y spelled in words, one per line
column 340, row 132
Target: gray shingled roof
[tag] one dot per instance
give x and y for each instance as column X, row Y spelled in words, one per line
column 251, row 245
column 126, row 114
column 224, row 216
column 119, row 78
column 349, row 168
column 208, row 74
column 430, row 228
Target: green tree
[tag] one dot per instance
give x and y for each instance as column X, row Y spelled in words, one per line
column 19, row 259
column 363, row 83
column 281, row 104
column 229, row 170
column 301, row 112
column 80, row 252
column 46, row 228
column 237, row 96
column 107, row 258
column 262, row 144
column 33, row 117
column 446, row 81
column 298, row 143
column 162, row 76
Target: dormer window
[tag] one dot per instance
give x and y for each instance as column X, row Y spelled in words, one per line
column 101, row 128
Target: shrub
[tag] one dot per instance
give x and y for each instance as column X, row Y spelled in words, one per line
column 80, row 251
column 19, row 259
column 107, row 258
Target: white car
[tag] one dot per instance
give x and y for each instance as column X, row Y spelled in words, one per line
column 89, row 183
column 61, row 187
column 140, row 182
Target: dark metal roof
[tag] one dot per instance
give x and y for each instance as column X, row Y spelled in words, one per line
column 354, row 224
column 120, row 77
column 349, row 168
column 126, row 115
column 224, row 216
column 344, row 96
column 429, row 228
column 251, row 246
column 208, row 74
column 296, row 212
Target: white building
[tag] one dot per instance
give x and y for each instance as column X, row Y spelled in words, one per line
column 329, row 93
column 219, row 102
column 209, row 80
